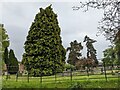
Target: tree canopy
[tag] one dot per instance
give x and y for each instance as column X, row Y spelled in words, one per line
column 5, row 56
column 74, row 53
column 110, row 23
column 13, row 63
column 4, row 39
column 4, row 43
column 44, row 53
column 91, row 52
column 109, row 56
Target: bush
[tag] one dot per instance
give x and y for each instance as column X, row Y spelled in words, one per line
column 69, row 67
column 75, row 86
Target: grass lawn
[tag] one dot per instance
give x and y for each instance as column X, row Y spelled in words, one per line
column 93, row 81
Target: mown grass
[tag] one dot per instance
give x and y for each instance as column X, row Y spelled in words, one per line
column 93, row 81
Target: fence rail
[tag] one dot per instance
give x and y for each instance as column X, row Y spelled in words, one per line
column 65, row 75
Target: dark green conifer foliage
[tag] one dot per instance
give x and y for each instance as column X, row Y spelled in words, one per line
column 44, row 52
column 5, row 58
column 74, row 49
column 4, row 43
column 91, row 52
column 13, row 63
column 4, row 39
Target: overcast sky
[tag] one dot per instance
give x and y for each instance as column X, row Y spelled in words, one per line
column 18, row 16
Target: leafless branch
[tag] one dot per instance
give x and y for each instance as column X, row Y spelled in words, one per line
column 110, row 23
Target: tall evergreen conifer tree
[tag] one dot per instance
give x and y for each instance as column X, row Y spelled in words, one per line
column 75, row 53
column 44, row 53
column 13, row 63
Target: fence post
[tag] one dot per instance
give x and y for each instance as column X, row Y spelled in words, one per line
column 118, row 79
column 105, row 71
column 87, row 70
column 28, row 76
column 55, row 67
column 55, row 76
column 41, row 79
column 71, row 73
column 16, row 76
column 7, row 75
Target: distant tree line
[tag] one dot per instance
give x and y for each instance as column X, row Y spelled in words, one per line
column 8, row 57
column 11, row 61
column 75, row 57
column 109, row 25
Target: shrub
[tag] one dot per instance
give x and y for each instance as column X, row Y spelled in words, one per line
column 75, row 86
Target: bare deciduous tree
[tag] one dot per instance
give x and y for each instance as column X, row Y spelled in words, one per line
column 110, row 23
